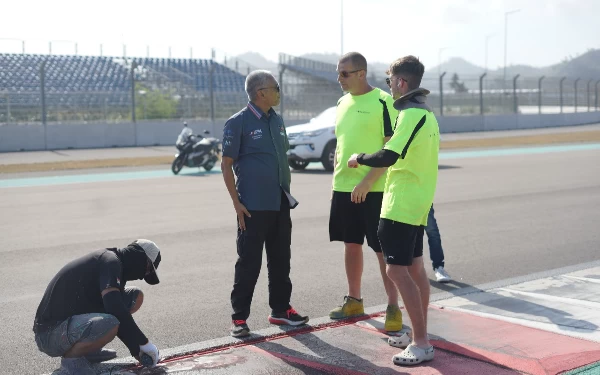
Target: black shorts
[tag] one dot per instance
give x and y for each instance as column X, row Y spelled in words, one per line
column 351, row 222
column 400, row 242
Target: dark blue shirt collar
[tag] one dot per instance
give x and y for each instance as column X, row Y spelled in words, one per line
column 258, row 112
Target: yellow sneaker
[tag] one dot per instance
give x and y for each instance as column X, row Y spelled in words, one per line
column 393, row 319
column 351, row 307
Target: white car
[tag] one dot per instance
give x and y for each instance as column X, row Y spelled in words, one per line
column 313, row 142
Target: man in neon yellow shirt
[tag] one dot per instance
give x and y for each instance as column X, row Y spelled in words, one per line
column 364, row 121
column 412, row 157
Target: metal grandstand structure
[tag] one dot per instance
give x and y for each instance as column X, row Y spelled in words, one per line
column 64, row 85
column 201, row 88
column 63, row 89
column 308, row 87
column 46, row 88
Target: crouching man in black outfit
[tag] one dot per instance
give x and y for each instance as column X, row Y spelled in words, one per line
column 86, row 305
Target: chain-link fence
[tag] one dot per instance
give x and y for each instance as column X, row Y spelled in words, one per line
column 308, row 87
column 39, row 88
column 27, row 107
column 456, row 95
column 491, row 95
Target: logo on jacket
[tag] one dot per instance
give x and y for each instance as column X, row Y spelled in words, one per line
column 228, row 134
column 256, row 134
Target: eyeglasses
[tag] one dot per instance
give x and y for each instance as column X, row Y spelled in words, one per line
column 389, row 81
column 276, row 88
column 346, row 74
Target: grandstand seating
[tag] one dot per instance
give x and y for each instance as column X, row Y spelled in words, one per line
column 316, row 69
column 95, row 80
column 196, row 73
column 327, row 76
column 63, row 73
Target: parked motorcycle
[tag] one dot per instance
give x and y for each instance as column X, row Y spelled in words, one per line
column 196, row 150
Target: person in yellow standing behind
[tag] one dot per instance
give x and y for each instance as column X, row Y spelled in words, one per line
column 412, row 157
column 364, row 121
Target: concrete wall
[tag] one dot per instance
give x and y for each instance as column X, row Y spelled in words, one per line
column 30, row 137
column 460, row 124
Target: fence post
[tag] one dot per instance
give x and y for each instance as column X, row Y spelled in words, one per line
column 516, row 100
column 43, row 100
column 597, row 82
column 577, row 80
column 7, row 107
column 481, row 110
column 442, row 93
column 561, row 93
column 588, row 93
column 132, row 81
column 540, row 94
column 212, row 91
column 281, row 96
column 43, row 90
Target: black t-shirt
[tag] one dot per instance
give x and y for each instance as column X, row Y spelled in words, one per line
column 76, row 289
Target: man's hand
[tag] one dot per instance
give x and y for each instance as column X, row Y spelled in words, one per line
column 352, row 162
column 150, row 350
column 360, row 191
column 241, row 210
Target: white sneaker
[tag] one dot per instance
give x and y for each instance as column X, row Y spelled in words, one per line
column 441, row 275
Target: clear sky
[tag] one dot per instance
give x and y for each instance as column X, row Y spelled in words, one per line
column 543, row 32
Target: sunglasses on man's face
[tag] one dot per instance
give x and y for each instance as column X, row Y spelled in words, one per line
column 276, row 88
column 346, row 74
column 389, row 81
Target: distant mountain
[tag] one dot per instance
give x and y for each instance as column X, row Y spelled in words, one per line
column 523, row 70
column 375, row 68
column 585, row 66
column 456, row 65
column 331, row 58
column 257, row 60
column 378, row 68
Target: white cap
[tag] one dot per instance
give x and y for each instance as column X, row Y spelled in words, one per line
column 153, row 253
